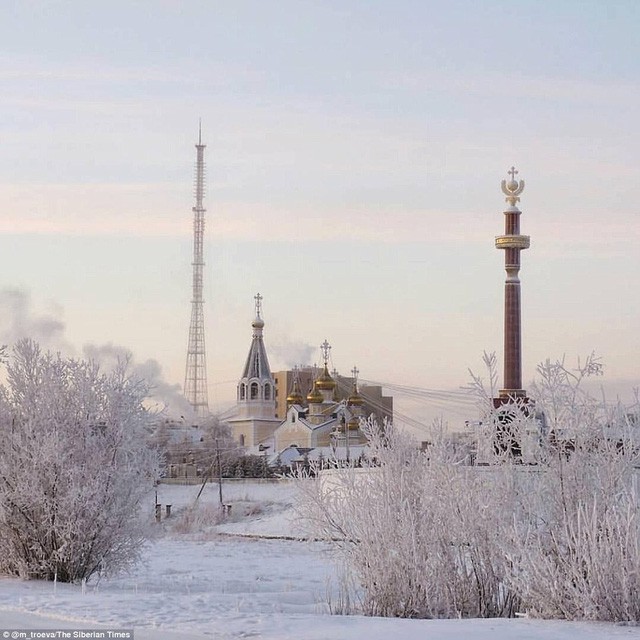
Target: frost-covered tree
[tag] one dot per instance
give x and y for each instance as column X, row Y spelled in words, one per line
column 74, row 467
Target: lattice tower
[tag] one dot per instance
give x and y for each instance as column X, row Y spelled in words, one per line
column 195, row 379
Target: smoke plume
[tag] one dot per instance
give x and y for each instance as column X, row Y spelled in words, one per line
column 163, row 396
column 19, row 319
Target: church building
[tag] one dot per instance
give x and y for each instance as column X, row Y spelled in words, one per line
column 324, row 418
column 255, row 419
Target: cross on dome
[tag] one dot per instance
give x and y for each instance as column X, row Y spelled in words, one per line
column 355, row 371
column 513, row 173
column 325, row 347
column 258, row 298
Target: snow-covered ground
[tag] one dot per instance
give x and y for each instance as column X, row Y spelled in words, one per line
column 208, row 580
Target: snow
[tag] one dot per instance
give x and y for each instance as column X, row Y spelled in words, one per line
column 223, row 581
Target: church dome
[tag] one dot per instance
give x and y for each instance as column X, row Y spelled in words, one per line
column 355, row 399
column 325, row 382
column 295, row 397
column 258, row 323
column 315, row 397
column 353, row 424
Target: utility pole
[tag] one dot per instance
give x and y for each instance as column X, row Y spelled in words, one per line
column 219, row 471
column 346, row 434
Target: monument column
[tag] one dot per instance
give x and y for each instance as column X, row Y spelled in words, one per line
column 512, row 242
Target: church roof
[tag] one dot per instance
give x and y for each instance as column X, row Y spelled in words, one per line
column 257, row 364
column 330, row 417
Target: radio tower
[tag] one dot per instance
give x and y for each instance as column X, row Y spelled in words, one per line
column 195, row 378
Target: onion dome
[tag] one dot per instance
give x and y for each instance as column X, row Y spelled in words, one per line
column 325, row 382
column 315, row 397
column 258, row 323
column 355, row 399
column 295, row 397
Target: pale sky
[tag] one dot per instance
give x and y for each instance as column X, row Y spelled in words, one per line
column 354, row 157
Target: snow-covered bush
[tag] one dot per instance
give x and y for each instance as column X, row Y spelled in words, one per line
column 576, row 537
column 548, row 523
column 418, row 530
column 74, row 467
column 574, row 542
column 199, row 518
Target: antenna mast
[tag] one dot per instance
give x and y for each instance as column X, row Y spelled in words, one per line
column 195, row 379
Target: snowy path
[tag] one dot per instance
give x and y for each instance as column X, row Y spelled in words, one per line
column 203, row 585
column 353, row 628
column 21, row 620
column 191, row 584
column 228, row 589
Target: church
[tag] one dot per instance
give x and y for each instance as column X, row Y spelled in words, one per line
column 255, row 420
column 327, row 414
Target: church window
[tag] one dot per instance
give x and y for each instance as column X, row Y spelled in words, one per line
column 243, row 391
column 267, row 391
column 254, row 390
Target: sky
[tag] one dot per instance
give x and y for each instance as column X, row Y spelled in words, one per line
column 354, row 157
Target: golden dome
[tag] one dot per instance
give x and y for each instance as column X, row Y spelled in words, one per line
column 355, row 399
column 325, row 382
column 315, row 397
column 295, row 397
column 353, row 424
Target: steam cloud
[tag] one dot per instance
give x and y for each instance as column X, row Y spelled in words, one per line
column 293, row 353
column 167, row 396
column 18, row 320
